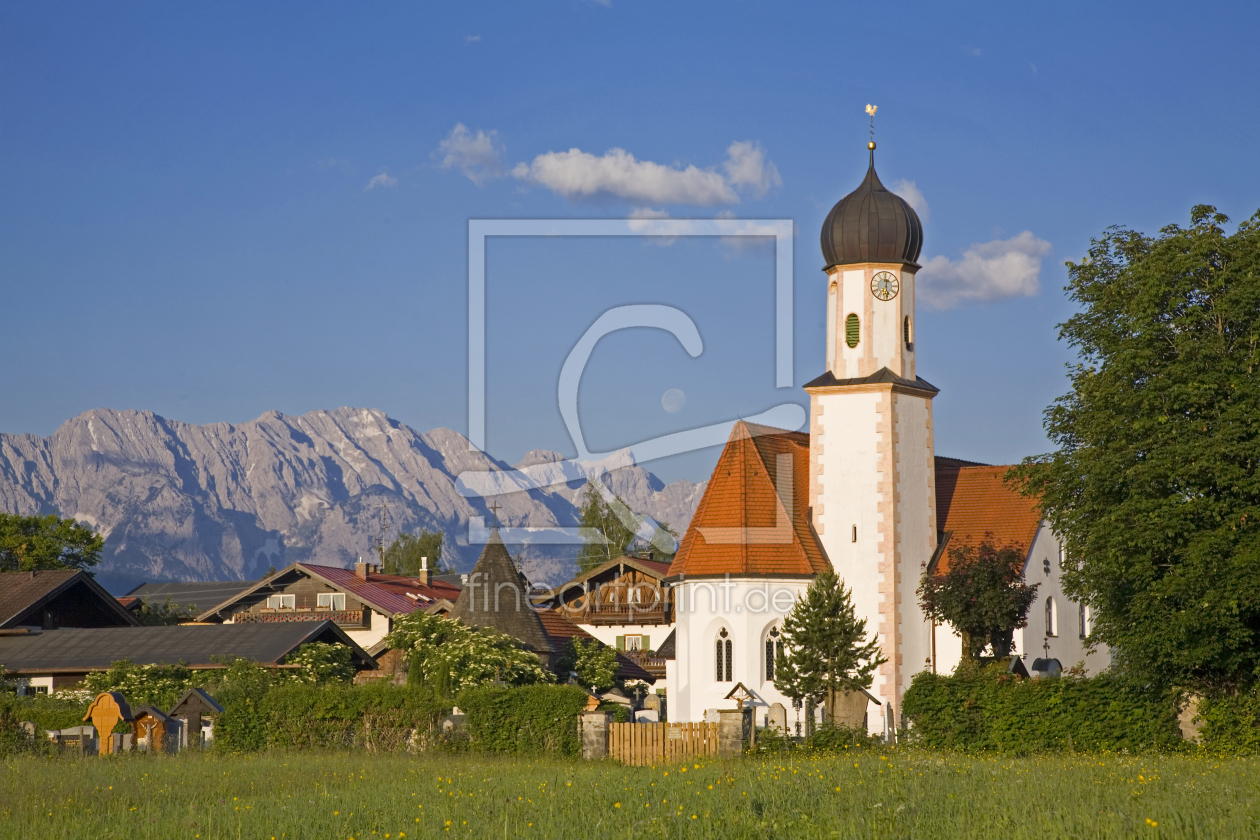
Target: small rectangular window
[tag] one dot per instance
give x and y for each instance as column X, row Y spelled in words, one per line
column 634, row 643
column 331, row 601
column 282, row 602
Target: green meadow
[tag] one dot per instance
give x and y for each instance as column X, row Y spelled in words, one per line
column 893, row 793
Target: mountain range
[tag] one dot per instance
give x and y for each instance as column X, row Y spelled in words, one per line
column 223, row 501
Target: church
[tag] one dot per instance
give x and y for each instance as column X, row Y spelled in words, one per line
column 862, row 493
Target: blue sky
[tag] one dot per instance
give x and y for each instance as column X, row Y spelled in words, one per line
column 213, row 211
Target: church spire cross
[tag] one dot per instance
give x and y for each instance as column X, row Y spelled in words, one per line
column 494, row 512
column 871, row 109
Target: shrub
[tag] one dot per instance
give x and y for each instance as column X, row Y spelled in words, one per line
column 524, row 719
column 157, row 685
column 449, row 656
column 379, row 717
column 1231, row 723
column 989, row 709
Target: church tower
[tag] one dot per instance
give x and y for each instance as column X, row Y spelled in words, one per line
column 871, row 471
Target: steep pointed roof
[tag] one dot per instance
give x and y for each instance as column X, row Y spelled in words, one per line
column 497, row 596
column 754, row 516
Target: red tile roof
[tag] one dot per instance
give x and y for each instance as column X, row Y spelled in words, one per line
column 742, row 526
column 972, row 502
column 391, row 593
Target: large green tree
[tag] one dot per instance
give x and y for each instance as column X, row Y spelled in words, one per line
column 608, row 526
column 982, row 595
column 33, row 543
column 594, row 663
column 405, row 554
column 1154, row 486
column 825, row 650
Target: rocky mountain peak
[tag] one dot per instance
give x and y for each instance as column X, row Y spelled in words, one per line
column 224, row 501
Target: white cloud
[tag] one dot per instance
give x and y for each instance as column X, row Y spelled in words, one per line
column 478, row 156
column 914, row 197
column 576, row 174
column 382, row 180
column 989, row 271
column 472, row 38
column 747, row 168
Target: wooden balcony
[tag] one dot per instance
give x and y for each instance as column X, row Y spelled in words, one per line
column 617, row 614
column 352, row 619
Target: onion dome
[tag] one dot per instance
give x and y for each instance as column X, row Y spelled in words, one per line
column 872, row 225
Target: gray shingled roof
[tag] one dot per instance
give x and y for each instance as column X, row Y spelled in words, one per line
column 497, row 596
column 25, row 595
column 196, row 645
column 186, row 594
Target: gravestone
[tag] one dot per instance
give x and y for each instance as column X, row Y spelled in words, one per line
column 850, row 709
column 647, row 716
column 156, row 730
column 191, row 708
column 776, row 718
column 734, row 731
column 105, row 712
column 594, row 734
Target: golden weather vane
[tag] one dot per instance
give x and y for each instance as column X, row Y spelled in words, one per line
column 871, row 109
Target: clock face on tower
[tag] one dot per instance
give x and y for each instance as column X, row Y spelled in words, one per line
column 884, row 285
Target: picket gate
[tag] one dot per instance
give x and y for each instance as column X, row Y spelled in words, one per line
column 661, row 743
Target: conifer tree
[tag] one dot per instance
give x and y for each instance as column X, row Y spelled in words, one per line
column 825, row 651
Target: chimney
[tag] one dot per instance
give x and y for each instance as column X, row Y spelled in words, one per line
column 361, row 570
column 423, row 577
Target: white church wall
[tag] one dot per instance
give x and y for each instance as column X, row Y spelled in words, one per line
column 847, row 495
column 746, row 608
column 948, row 649
column 916, row 538
column 1044, row 567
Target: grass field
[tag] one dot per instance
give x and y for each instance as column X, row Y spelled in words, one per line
column 896, row 793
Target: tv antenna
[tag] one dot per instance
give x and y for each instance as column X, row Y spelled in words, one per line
column 387, row 522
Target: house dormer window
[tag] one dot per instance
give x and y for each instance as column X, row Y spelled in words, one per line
column 331, row 601
column 724, row 656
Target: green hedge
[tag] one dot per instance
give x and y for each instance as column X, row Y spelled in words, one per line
column 293, row 716
column 990, row 710
column 46, row 711
column 524, row 719
column 1231, row 723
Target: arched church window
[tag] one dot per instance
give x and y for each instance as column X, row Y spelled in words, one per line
column 774, row 647
column 1052, row 618
column 907, row 333
column 723, row 656
column 852, row 330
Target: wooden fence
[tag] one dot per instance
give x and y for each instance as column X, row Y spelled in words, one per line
column 656, row 743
